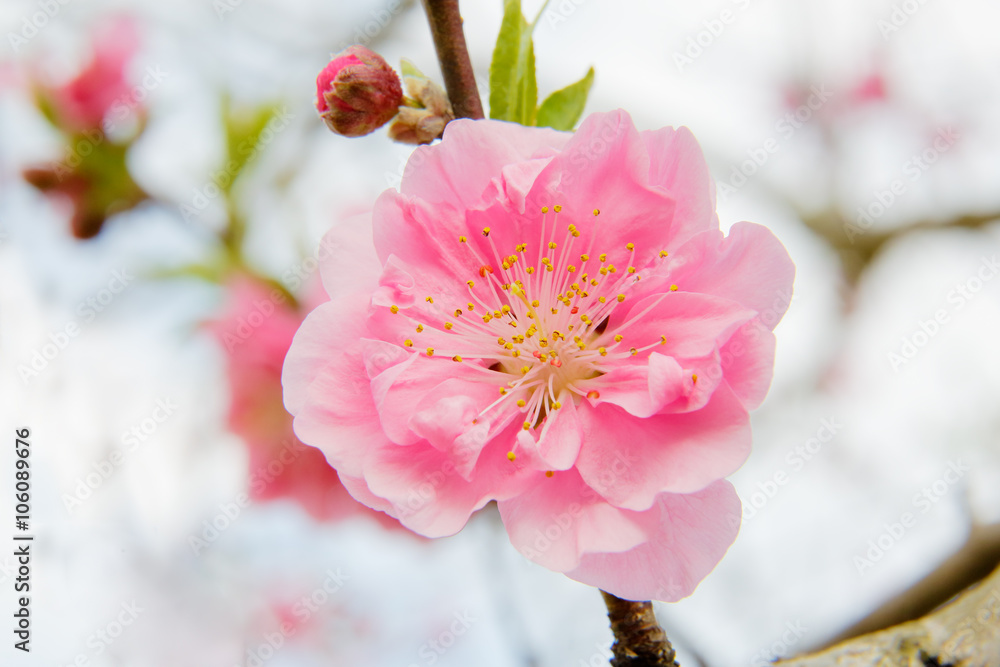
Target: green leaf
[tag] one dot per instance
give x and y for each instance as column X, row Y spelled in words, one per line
column 409, row 69
column 243, row 130
column 562, row 109
column 513, row 90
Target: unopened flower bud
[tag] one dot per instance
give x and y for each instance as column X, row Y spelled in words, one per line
column 426, row 113
column 357, row 92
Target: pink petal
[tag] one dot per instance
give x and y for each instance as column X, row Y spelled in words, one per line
column 677, row 453
column 688, row 535
column 560, row 518
column 444, row 172
column 750, row 266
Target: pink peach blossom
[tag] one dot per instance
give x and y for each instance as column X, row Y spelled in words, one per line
column 555, row 322
column 84, row 101
column 256, row 331
column 357, row 92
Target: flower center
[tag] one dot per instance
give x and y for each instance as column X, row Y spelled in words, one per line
column 539, row 317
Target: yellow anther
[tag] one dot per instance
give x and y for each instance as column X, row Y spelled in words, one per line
column 525, row 369
column 448, row 325
column 549, row 473
column 503, row 391
column 511, row 456
column 534, row 303
column 408, row 343
column 611, row 268
column 516, row 353
column 430, row 352
column 486, row 231
column 553, row 245
column 621, row 297
column 694, row 378
column 521, row 403
column 458, row 312
column 497, row 314
column 470, row 283
column 513, row 323
column 663, row 340
column 393, row 309
column 505, row 265
column 594, row 282
column 521, row 247
column 571, row 268
column 556, row 405
column 456, row 358
column 555, row 311
column 420, row 327
column 543, row 343
column 585, row 318
column 597, row 211
column 429, row 299
column 618, row 338
column 663, row 253
column 603, row 271
column 603, row 351
column 462, row 239
column 505, row 309
column 529, row 270
column 603, row 257
column 557, row 208
column 545, row 209
column 548, row 267
column 630, row 246
column 526, row 426
column 487, row 317
column 673, row 288
column 508, row 346
column 584, row 258
column 631, row 269
column 633, row 351
column 471, row 306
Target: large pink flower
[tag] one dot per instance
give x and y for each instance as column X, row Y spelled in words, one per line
column 553, row 321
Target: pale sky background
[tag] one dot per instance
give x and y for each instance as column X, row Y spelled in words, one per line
column 899, row 427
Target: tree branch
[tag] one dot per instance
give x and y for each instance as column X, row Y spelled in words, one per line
column 639, row 640
column 449, row 41
column 963, row 632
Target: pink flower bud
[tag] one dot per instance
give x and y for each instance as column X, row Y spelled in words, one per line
column 357, row 92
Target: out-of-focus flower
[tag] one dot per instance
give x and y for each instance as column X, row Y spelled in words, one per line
column 92, row 175
column 256, row 332
column 83, row 102
column 427, row 110
column 556, row 322
column 357, row 92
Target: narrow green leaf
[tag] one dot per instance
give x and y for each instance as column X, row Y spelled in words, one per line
column 562, row 109
column 528, row 88
column 504, row 76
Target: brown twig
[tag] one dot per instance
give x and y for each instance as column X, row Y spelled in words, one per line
column 449, row 41
column 639, row 640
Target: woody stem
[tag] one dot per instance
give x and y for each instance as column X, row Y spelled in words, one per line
column 639, row 640
column 449, row 41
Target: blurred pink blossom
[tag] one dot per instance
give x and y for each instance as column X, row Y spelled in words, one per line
column 553, row 321
column 256, row 331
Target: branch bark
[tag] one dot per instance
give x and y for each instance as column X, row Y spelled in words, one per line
column 964, row 632
column 639, row 640
column 453, row 54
